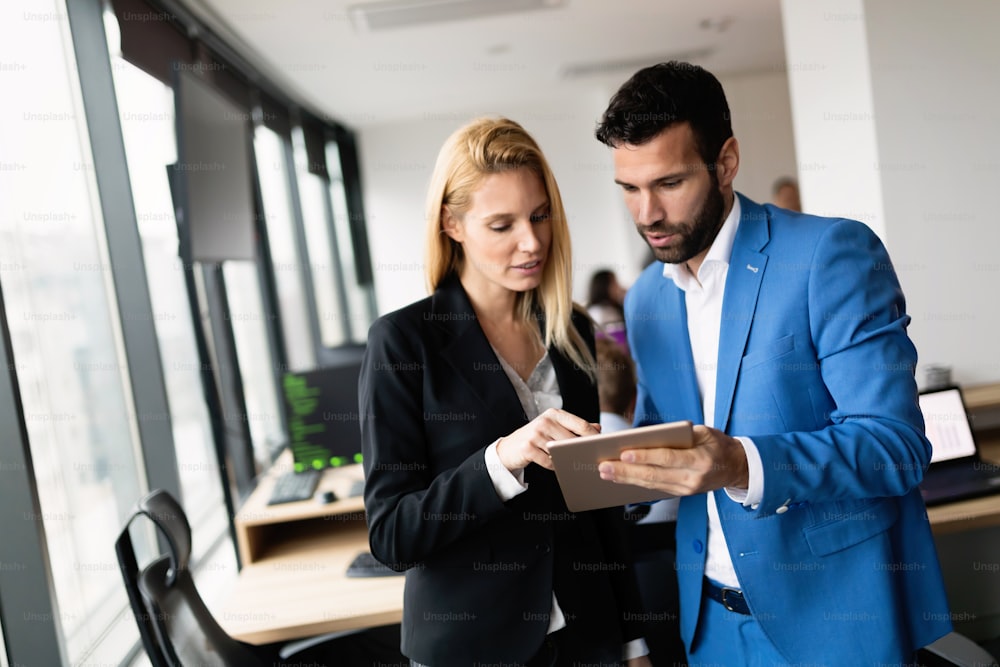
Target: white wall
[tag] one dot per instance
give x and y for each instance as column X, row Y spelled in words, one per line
column 396, row 163
column 828, row 76
column 934, row 80
column 762, row 123
column 397, row 160
column 895, row 125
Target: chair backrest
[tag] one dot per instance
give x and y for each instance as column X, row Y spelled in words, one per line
column 176, row 626
column 129, row 568
column 185, row 628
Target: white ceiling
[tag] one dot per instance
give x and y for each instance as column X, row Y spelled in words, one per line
column 480, row 65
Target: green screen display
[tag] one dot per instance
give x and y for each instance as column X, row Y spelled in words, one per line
column 322, row 408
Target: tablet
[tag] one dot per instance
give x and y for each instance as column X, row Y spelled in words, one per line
column 576, row 459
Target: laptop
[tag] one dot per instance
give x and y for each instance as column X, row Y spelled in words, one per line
column 956, row 471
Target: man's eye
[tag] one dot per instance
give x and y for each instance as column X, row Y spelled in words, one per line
column 500, row 228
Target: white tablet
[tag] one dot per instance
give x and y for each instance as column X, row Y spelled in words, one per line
column 576, row 459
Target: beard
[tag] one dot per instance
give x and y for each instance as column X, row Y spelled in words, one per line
column 694, row 236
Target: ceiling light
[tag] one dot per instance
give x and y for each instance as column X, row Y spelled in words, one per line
column 598, row 68
column 373, row 16
column 717, row 25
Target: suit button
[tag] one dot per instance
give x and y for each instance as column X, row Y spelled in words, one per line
column 697, row 546
column 544, row 548
column 783, row 508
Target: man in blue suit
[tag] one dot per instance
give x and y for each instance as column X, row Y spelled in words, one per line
column 801, row 536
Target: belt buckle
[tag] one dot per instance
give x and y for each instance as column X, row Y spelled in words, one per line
column 736, row 593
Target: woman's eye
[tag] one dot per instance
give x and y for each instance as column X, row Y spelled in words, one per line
column 500, row 228
column 539, row 217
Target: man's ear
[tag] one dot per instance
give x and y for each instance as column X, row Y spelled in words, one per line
column 450, row 225
column 728, row 163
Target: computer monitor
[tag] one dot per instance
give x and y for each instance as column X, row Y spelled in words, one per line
column 322, row 408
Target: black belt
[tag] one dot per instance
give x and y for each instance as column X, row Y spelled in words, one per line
column 730, row 598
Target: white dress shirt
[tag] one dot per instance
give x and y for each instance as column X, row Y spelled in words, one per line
column 703, row 297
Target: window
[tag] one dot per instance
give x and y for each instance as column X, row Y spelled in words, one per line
column 250, row 323
column 74, row 277
column 326, row 283
column 146, row 109
column 64, row 326
column 360, row 307
column 286, row 258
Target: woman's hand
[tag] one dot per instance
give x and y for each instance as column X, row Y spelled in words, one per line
column 528, row 444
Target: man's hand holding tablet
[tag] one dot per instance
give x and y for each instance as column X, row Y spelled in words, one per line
column 714, row 460
column 576, row 462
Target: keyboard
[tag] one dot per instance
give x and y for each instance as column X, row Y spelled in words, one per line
column 365, row 565
column 357, row 488
column 292, row 487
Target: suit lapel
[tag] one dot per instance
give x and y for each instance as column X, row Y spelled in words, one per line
column 469, row 354
column 684, row 402
column 746, row 272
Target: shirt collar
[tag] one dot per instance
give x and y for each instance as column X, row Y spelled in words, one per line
column 719, row 253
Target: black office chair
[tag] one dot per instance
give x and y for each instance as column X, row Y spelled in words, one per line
column 178, row 629
column 955, row 650
column 175, row 625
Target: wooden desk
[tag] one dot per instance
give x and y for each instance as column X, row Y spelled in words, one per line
column 293, row 583
column 983, row 403
column 970, row 514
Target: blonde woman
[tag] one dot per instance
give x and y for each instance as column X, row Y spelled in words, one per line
column 460, row 393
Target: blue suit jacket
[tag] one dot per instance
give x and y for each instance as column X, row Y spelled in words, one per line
column 837, row 561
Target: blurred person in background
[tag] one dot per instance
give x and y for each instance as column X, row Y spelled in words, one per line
column 785, row 193
column 605, row 305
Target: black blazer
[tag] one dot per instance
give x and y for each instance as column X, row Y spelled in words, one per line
column 480, row 573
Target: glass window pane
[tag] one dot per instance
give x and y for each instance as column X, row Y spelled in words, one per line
column 146, row 108
column 358, row 296
column 249, row 321
column 286, row 260
column 329, row 304
column 63, row 322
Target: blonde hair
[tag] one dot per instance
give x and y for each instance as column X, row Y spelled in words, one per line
column 488, row 146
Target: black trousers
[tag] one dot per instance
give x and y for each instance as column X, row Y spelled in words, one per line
column 654, row 563
column 554, row 652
